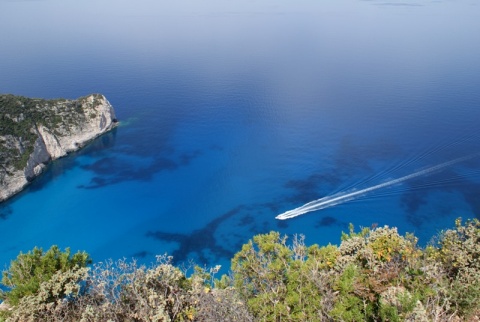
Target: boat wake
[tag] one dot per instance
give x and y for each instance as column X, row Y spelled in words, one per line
column 339, row 198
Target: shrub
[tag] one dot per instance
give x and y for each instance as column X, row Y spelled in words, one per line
column 54, row 299
column 374, row 275
column 260, row 274
column 459, row 252
column 28, row 271
column 124, row 291
column 284, row 282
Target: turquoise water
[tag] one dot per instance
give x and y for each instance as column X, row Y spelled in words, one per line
column 234, row 112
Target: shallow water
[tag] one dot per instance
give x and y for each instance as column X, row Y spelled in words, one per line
column 232, row 113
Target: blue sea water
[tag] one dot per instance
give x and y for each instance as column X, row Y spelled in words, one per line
column 232, row 112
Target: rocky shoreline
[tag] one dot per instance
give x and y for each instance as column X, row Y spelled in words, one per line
column 40, row 131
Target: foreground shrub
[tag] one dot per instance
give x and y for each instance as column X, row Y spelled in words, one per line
column 124, row 291
column 459, row 253
column 54, row 301
column 281, row 282
column 373, row 275
column 216, row 300
column 28, row 271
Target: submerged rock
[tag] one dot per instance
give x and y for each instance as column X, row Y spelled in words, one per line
column 34, row 132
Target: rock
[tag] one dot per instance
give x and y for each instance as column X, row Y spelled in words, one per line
column 38, row 158
column 54, row 149
column 33, row 132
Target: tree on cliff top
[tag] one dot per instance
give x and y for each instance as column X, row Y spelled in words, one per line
column 28, row 271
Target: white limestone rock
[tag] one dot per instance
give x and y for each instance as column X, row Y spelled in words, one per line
column 99, row 118
column 67, row 126
column 54, row 149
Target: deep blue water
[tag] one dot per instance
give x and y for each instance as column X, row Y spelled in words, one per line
column 235, row 111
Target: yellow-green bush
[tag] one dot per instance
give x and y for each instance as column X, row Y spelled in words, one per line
column 373, row 275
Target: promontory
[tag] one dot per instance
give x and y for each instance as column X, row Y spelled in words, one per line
column 33, row 132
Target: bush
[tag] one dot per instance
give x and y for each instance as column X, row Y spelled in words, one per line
column 459, row 253
column 54, row 300
column 30, row 270
column 284, row 282
column 373, row 275
column 124, row 291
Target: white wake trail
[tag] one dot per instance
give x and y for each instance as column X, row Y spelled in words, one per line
column 342, row 197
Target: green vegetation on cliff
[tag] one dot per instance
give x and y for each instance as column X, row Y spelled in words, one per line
column 373, row 275
column 33, row 132
column 19, row 118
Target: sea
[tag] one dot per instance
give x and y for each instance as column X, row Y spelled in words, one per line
column 234, row 112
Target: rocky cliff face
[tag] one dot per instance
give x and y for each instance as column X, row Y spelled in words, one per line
column 34, row 132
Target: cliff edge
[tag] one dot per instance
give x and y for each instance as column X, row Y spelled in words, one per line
column 34, row 132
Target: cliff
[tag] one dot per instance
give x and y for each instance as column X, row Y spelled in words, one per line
column 34, row 132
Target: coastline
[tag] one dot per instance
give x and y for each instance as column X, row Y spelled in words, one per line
column 95, row 118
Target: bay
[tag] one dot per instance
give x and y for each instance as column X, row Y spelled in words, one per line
column 234, row 112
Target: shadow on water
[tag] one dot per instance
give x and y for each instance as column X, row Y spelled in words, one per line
column 98, row 146
column 348, row 160
column 5, row 212
column 413, row 199
column 59, row 167
column 328, row 221
column 199, row 240
column 111, row 170
column 282, row 224
column 246, row 220
column 305, row 190
column 143, row 152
